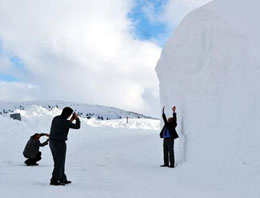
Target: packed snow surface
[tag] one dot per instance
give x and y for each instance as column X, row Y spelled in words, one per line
column 107, row 159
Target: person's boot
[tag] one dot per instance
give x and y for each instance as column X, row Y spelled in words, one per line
column 66, row 182
column 35, row 164
column 164, row 165
column 26, row 162
column 30, row 163
column 171, row 166
column 57, row 183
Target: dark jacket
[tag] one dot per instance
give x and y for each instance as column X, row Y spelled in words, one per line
column 32, row 148
column 60, row 128
column 171, row 126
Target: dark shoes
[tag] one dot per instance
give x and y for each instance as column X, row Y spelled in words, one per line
column 31, row 164
column 164, row 165
column 66, row 182
column 60, row 183
column 57, row 183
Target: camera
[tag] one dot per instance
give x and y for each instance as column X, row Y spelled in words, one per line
column 74, row 115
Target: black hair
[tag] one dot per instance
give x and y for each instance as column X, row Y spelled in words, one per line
column 33, row 136
column 66, row 112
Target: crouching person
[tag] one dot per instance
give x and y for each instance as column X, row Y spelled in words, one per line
column 32, row 149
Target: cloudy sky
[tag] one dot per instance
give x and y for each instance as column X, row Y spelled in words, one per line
column 95, row 51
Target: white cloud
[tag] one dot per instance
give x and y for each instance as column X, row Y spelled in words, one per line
column 14, row 91
column 176, row 10
column 81, row 51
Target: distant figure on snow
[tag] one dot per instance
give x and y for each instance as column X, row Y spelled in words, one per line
column 59, row 132
column 168, row 133
column 31, row 150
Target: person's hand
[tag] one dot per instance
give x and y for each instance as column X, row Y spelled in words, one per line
column 163, row 109
column 174, row 109
column 72, row 117
column 75, row 116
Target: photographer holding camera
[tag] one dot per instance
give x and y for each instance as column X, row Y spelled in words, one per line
column 59, row 132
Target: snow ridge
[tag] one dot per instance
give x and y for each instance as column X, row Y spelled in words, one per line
column 84, row 110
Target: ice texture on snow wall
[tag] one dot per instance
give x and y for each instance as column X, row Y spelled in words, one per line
column 210, row 69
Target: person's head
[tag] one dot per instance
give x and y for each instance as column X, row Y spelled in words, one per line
column 170, row 119
column 66, row 112
column 36, row 136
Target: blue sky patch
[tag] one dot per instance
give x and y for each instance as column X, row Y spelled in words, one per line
column 145, row 16
column 8, row 78
column 16, row 63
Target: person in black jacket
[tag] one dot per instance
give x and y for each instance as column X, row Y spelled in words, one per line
column 168, row 133
column 32, row 147
column 59, row 132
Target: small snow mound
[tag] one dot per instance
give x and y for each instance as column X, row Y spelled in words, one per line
column 38, row 111
column 121, row 123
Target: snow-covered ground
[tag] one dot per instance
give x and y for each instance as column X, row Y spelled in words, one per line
column 109, row 159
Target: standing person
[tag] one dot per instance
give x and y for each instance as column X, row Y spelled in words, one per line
column 168, row 133
column 59, row 132
column 32, row 149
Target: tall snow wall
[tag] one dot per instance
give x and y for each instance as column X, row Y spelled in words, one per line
column 210, row 69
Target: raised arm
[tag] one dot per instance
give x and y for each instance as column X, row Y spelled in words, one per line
column 45, row 142
column 44, row 134
column 174, row 115
column 164, row 116
column 72, row 125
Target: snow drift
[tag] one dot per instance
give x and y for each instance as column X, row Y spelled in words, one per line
column 210, row 69
column 84, row 110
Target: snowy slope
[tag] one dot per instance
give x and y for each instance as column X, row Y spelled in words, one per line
column 107, row 159
column 84, row 110
column 210, row 69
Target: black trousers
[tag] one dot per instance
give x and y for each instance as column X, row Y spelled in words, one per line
column 32, row 161
column 58, row 150
column 168, row 151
